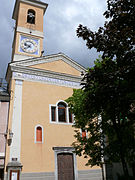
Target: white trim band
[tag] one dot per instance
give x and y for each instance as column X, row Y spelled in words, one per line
column 30, row 32
column 47, row 80
column 15, row 149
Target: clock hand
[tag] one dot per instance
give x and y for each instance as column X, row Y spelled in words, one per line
column 27, row 45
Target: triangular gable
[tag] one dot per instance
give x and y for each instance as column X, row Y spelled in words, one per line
column 58, row 66
column 57, row 63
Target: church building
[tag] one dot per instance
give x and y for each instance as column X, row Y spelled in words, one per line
column 39, row 119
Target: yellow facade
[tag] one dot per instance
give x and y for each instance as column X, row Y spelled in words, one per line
column 21, row 23
column 37, row 94
column 17, row 42
column 35, row 110
column 36, row 85
column 36, row 98
column 22, row 16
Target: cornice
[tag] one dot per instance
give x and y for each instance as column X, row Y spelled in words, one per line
column 43, row 76
column 21, row 70
column 27, row 31
column 50, row 58
column 45, row 73
column 46, row 80
column 63, row 149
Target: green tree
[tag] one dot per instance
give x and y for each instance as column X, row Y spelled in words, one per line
column 109, row 88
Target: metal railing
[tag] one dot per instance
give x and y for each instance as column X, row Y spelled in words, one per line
column 3, row 84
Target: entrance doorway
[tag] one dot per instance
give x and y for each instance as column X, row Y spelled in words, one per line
column 65, row 163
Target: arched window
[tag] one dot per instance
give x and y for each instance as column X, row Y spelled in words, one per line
column 31, row 16
column 39, row 134
column 62, row 112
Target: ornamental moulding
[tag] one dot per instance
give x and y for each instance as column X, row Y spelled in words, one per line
column 45, row 73
column 47, row 80
column 50, row 58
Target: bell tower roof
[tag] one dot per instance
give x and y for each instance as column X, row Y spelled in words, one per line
column 36, row 3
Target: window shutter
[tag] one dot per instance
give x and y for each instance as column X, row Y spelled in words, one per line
column 83, row 134
column 39, row 134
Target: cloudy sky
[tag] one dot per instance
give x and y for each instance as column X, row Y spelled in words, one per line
column 60, row 23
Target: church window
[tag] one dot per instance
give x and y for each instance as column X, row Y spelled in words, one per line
column 53, row 113
column 83, row 133
column 31, row 16
column 60, row 113
column 39, row 134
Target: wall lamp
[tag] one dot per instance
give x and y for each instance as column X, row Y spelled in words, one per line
column 8, row 136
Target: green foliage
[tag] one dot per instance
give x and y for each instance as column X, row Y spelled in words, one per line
column 108, row 89
column 76, row 103
column 125, row 177
column 91, row 146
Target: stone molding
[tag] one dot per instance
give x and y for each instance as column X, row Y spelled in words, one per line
column 48, row 80
column 15, row 164
column 92, row 174
column 15, row 148
column 50, row 58
column 27, row 31
column 63, row 149
column 58, row 150
column 38, row 176
column 21, row 70
column 19, row 57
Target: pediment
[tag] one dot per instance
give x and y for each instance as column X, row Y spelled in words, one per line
column 58, row 66
column 58, row 63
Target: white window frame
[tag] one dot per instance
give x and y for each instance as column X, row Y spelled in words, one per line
column 37, row 142
column 86, row 133
column 57, row 119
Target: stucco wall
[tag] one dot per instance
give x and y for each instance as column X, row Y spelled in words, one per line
column 36, row 98
column 22, row 23
column 58, row 66
column 22, row 17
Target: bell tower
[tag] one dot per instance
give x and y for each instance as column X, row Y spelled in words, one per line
column 28, row 35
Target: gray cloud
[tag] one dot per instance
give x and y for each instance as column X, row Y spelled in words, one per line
column 60, row 23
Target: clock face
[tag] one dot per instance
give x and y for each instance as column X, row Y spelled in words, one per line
column 29, row 45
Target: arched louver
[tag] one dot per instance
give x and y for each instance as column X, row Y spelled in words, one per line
column 31, row 16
